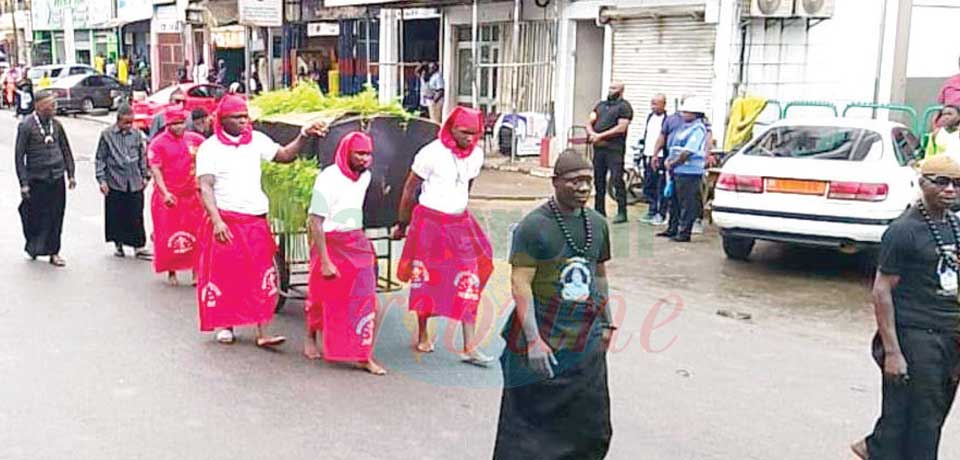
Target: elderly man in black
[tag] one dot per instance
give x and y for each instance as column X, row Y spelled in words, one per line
column 43, row 157
column 555, row 401
column 122, row 173
column 607, row 131
column 917, row 345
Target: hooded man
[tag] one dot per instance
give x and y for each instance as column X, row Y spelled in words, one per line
column 343, row 264
column 555, row 400
column 917, row 345
column 122, row 173
column 237, row 283
column 43, row 156
column 175, row 205
column 447, row 258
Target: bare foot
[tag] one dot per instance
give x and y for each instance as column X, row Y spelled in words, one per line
column 425, row 347
column 270, row 341
column 372, row 367
column 310, row 350
column 859, row 448
column 172, row 279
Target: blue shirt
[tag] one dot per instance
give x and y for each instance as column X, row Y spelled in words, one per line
column 689, row 137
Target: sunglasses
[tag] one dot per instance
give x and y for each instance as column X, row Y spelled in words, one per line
column 943, row 181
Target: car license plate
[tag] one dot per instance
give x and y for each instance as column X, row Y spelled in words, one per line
column 799, row 187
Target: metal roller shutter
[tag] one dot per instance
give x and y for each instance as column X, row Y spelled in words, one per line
column 671, row 55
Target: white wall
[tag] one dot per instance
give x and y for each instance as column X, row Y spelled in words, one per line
column 934, row 46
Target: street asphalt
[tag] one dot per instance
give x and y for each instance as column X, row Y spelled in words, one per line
column 102, row 360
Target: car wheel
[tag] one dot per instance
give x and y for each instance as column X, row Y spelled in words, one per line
column 87, row 105
column 737, row 248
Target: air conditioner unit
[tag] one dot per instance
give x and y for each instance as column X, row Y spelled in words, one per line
column 814, row 8
column 771, row 8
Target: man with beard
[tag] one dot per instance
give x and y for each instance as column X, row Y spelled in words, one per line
column 123, row 174
column 175, row 206
column 202, row 122
column 237, row 283
column 343, row 264
column 607, row 131
column 43, row 156
column 447, row 258
column 917, row 345
column 555, row 401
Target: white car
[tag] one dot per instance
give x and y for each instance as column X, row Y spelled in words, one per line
column 829, row 182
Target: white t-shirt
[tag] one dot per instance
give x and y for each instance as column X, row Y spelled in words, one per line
column 654, row 126
column 236, row 171
column 446, row 178
column 339, row 200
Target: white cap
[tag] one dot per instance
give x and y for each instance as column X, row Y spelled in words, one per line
column 694, row 104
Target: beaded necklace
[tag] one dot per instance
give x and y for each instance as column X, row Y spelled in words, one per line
column 588, row 229
column 47, row 137
column 938, row 238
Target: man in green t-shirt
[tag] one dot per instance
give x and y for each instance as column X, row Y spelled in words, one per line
column 555, row 401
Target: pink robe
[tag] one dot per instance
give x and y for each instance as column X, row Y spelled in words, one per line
column 175, row 227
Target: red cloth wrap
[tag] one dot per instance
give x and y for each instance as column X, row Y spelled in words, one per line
column 236, row 281
column 345, row 308
column 462, row 117
column 232, row 105
column 447, row 259
column 352, row 142
column 175, row 227
column 174, row 114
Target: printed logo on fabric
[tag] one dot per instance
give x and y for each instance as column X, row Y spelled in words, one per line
column 365, row 330
column 576, row 280
column 269, row 282
column 181, row 242
column 418, row 274
column 209, row 295
column 468, row 285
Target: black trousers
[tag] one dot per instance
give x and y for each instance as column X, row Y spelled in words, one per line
column 605, row 161
column 686, row 204
column 42, row 217
column 124, row 218
column 913, row 413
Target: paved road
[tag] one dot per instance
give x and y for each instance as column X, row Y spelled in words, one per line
column 102, row 360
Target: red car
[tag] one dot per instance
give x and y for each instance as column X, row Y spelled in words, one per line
column 199, row 95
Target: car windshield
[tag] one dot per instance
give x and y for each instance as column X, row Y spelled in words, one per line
column 163, row 96
column 816, row 142
column 36, row 73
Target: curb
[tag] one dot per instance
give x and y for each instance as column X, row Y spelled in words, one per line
column 104, row 120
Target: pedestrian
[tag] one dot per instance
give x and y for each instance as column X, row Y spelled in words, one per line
column 255, row 86
column 140, row 86
column 43, row 157
column 343, row 265
column 184, row 72
column 202, row 122
column 917, row 346
column 99, row 63
column 123, row 70
column 24, row 97
column 447, row 258
column 45, row 80
column 111, row 69
column 200, row 71
column 607, row 131
column 177, row 99
column 435, row 88
column 175, row 204
column 237, row 283
column 686, row 165
column 652, row 166
column 555, row 401
column 222, row 72
column 122, row 173
column 946, row 137
column 426, row 95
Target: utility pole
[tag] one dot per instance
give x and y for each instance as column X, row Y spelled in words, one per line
column 15, row 51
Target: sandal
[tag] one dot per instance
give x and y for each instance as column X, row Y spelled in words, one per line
column 225, row 336
column 143, row 255
column 57, row 261
column 119, row 252
column 477, row 359
column 270, row 342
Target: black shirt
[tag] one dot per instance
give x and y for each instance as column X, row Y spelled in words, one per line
column 608, row 114
column 926, row 296
column 35, row 158
column 564, row 287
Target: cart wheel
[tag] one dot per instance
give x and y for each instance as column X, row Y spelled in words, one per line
column 283, row 273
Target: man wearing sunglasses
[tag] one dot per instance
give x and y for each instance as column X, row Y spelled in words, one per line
column 917, row 345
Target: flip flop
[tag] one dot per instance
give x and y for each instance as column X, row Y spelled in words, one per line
column 225, row 336
column 143, row 255
column 420, row 348
column 270, row 342
column 477, row 359
column 379, row 371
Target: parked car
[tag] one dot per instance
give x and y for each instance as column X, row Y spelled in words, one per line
column 198, row 95
column 58, row 71
column 85, row 93
column 835, row 182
